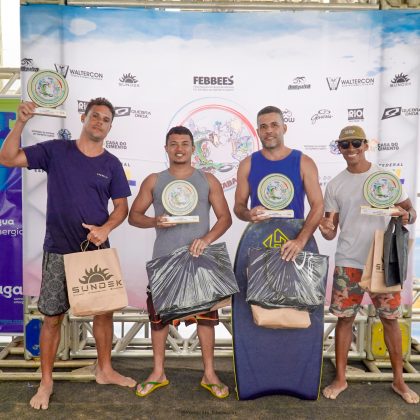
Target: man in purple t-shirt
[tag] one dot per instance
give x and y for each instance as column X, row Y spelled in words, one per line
column 82, row 177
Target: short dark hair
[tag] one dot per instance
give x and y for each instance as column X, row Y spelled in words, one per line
column 270, row 110
column 179, row 129
column 100, row 101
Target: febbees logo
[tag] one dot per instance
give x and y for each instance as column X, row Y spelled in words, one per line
column 400, row 80
column 128, row 80
column 355, row 114
column 299, row 83
column 96, row 279
column 214, row 83
column 27, row 64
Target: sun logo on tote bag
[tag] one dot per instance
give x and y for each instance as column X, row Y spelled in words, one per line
column 95, row 275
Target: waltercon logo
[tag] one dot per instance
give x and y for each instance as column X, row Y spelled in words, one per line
column 400, row 80
column 334, row 82
column 63, row 69
column 27, row 64
column 322, row 114
column 213, row 83
column 299, row 83
column 129, row 80
column 96, row 279
column 355, row 114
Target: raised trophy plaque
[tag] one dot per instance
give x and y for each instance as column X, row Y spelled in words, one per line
column 48, row 89
column 275, row 192
column 381, row 190
column 180, row 198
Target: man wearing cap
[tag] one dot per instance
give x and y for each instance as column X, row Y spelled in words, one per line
column 343, row 198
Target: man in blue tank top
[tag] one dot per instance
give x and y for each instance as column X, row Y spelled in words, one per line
column 82, row 177
column 169, row 237
column 275, row 157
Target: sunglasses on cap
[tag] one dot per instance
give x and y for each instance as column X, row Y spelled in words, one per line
column 345, row 144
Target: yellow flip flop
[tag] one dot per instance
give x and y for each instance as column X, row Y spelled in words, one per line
column 155, row 385
column 210, row 387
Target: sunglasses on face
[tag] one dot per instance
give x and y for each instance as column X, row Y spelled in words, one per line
column 345, row 144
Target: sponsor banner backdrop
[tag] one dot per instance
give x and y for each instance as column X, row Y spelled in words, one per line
column 11, row 298
column 163, row 68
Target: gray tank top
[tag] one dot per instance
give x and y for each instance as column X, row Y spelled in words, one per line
column 169, row 239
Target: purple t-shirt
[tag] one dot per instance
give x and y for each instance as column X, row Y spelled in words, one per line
column 79, row 188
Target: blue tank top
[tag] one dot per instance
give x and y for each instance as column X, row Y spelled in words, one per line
column 289, row 166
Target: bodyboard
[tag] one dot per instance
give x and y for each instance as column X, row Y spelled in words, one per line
column 269, row 361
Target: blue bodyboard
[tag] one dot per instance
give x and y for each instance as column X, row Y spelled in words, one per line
column 273, row 361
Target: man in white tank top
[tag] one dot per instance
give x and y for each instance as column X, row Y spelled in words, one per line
column 343, row 198
column 180, row 147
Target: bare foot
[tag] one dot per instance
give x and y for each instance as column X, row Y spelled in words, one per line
column 145, row 387
column 407, row 394
column 41, row 399
column 111, row 376
column 333, row 390
column 219, row 389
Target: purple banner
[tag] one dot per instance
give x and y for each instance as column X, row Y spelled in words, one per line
column 11, row 298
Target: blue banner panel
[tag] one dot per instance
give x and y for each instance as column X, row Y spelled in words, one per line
column 11, row 298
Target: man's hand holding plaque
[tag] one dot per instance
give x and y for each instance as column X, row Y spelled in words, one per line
column 381, row 190
column 48, row 89
column 179, row 199
column 275, row 193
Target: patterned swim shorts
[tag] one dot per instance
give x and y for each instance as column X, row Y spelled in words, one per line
column 347, row 296
column 53, row 297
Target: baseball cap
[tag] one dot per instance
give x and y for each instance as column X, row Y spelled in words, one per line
column 352, row 132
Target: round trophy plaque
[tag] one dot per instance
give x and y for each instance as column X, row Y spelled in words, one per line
column 179, row 198
column 275, row 191
column 382, row 189
column 48, row 88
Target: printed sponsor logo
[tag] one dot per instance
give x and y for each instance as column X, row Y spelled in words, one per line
column 120, row 111
column 40, row 133
column 276, row 239
column 27, row 64
column 314, row 147
column 288, row 116
column 128, row 79
column 213, row 83
column 391, row 112
column 8, row 227
column 324, row 180
column 96, row 279
column 299, row 83
column 10, row 291
column 335, row 82
column 400, row 80
column 334, row 148
column 386, row 146
column 322, row 114
column 64, row 69
column 355, row 114
column 64, row 134
column 102, row 175
column 398, row 110
column 127, row 169
column 115, row 144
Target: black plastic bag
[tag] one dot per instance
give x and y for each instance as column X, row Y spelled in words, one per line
column 395, row 252
column 276, row 283
column 182, row 285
